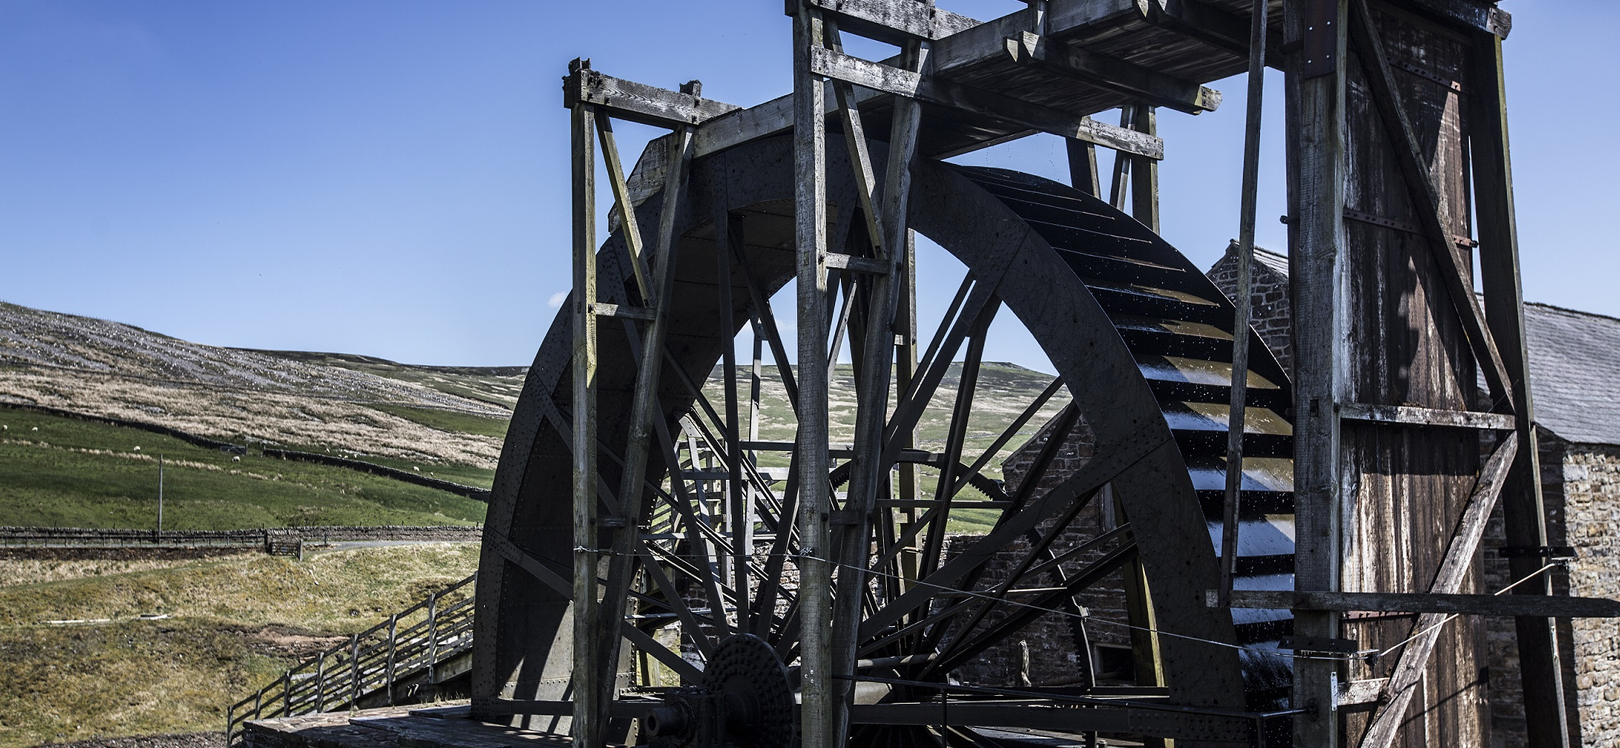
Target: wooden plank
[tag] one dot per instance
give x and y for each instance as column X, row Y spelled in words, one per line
column 1023, row 114
column 624, row 205
column 819, row 701
column 1458, row 561
column 1454, row 271
column 1112, row 73
column 586, row 730
column 1523, row 506
column 1316, row 194
column 1243, row 301
column 622, row 311
column 1359, row 692
column 858, row 264
column 893, row 21
column 639, row 102
column 1418, row 602
column 1407, row 415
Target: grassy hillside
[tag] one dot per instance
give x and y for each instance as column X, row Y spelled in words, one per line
column 68, row 473
column 234, row 624
column 499, row 385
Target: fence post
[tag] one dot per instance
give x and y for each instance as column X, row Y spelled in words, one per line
column 286, row 693
column 320, row 684
column 354, row 670
column 433, row 640
column 393, row 626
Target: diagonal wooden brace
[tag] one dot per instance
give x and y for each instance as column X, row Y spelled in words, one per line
column 1454, row 270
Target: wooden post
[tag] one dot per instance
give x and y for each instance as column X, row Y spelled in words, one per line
column 433, row 638
column 393, row 629
column 354, row 670
column 1145, row 171
column 320, row 683
column 1316, row 177
column 587, row 725
column 818, row 712
column 1083, row 174
column 1242, row 301
column 1523, row 508
column 1122, row 163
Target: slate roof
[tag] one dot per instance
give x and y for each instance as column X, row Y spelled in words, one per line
column 1575, row 373
column 1574, row 366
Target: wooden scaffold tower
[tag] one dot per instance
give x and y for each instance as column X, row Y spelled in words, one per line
column 1282, row 557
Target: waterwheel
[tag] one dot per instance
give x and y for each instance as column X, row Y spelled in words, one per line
column 1141, row 342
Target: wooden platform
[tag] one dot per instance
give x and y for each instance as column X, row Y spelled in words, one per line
column 442, row 726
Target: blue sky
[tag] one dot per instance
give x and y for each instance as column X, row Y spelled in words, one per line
column 391, row 178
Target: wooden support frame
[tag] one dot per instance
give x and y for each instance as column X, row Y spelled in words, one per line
column 1407, row 415
column 1454, row 568
column 587, row 729
column 1523, row 508
column 1454, row 270
column 892, row 80
column 1112, row 73
column 819, row 717
column 1316, row 195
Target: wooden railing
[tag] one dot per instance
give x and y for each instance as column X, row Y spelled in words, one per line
column 411, row 642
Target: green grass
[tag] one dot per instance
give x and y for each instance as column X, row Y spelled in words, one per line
column 72, row 473
column 448, row 420
column 131, row 677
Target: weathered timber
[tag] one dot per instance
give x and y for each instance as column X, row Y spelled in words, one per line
column 586, row 730
column 1242, row 301
column 1454, row 270
column 1522, row 503
column 1109, row 72
column 1458, row 561
column 1316, row 196
column 1083, row 174
column 900, row 82
column 622, row 311
column 624, row 205
column 639, row 102
column 1419, row 602
column 893, row 21
column 1407, row 415
column 819, row 713
column 1145, row 171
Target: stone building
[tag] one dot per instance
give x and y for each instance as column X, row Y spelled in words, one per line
column 1574, row 373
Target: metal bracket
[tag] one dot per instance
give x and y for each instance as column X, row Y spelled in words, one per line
column 1548, row 552
column 1321, row 42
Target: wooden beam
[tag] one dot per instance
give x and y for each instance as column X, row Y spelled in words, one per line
column 1406, row 415
column 1458, row 561
column 1317, row 174
column 1083, row 173
column 587, row 730
column 624, row 206
column 893, row 21
column 1217, row 28
column 818, row 711
column 1145, row 171
column 1523, row 507
column 1454, row 270
column 1111, row 73
column 1468, row 14
column 639, row 102
column 892, row 80
column 1418, row 602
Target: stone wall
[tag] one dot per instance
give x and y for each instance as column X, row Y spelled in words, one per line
column 1271, row 310
column 1591, row 524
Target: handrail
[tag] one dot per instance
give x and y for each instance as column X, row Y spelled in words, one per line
column 370, row 661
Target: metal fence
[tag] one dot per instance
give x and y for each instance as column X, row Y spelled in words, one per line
column 411, row 642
